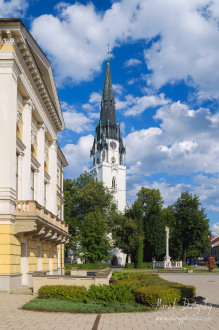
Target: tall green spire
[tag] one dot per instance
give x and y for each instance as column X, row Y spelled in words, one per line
column 107, row 114
column 107, row 127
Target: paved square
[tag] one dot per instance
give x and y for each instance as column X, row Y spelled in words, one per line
column 204, row 317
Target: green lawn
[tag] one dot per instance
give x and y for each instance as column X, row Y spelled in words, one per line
column 195, row 270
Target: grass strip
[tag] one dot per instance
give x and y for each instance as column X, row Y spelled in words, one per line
column 55, row 305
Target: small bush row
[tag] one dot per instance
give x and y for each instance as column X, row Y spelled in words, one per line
column 102, row 294
column 67, row 292
column 87, row 266
column 145, row 265
column 157, row 295
column 120, row 293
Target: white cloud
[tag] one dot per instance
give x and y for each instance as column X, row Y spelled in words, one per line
column 95, row 98
column 13, row 8
column 170, row 192
column 134, row 106
column 184, row 34
column 215, row 229
column 140, row 104
column 122, row 128
column 94, row 102
column 76, row 121
column 77, row 156
column 118, row 89
column 186, row 142
column 132, row 62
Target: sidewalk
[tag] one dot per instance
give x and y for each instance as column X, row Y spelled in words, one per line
column 201, row 317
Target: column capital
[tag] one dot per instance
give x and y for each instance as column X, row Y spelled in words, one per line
column 42, row 127
column 28, row 104
column 54, row 144
column 9, row 66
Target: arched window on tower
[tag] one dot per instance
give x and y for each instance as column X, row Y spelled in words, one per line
column 113, row 182
column 121, row 160
column 94, row 161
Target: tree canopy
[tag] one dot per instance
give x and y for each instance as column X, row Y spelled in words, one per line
column 140, row 232
column 89, row 207
column 191, row 225
column 92, row 215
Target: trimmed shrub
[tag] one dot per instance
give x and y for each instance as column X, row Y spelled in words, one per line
column 91, row 266
column 187, row 291
column 128, row 281
column 111, row 294
column 144, row 265
column 119, row 276
column 142, row 276
column 67, row 292
column 86, row 266
column 154, row 295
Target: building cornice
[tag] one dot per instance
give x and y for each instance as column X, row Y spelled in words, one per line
column 15, row 32
column 62, row 157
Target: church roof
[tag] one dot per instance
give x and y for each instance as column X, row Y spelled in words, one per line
column 107, row 114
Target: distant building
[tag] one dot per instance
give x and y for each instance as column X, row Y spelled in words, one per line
column 32, row 229
column 215, row 247
column 108, row 153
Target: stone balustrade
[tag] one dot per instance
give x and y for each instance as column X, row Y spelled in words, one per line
column 164, row 264
column 31, row 218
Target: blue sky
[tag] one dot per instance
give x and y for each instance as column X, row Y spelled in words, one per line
column 165, row 72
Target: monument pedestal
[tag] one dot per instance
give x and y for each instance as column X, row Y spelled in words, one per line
column 167, row 262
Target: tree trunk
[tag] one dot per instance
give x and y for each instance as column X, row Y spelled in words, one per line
column 140, row 255
column 184, row 255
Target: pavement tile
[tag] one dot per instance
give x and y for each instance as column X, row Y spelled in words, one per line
column 178, row 319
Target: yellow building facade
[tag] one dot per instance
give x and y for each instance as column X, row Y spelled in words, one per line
column 32, row 229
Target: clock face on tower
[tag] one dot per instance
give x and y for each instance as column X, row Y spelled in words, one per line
column 113, row 145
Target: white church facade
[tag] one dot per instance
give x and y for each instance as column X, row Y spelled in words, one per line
column 108, row 152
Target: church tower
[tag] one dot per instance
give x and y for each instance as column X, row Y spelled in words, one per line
column 108, row 151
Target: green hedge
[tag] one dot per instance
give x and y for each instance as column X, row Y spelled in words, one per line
column 128, row 281
column 90, row 266
column 154, row 295
column 116, row 276
column 144, row 265
column 187, row 291
column 111, row 294
column 124, row 288
column 67, row 292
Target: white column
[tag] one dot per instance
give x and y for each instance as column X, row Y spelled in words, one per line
column 167, row 242
column 62, row 200
column 53, row 174
column 167, row 262
column 9, row 72
column 40, row 158
column 26, row 173
column 20, row 161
